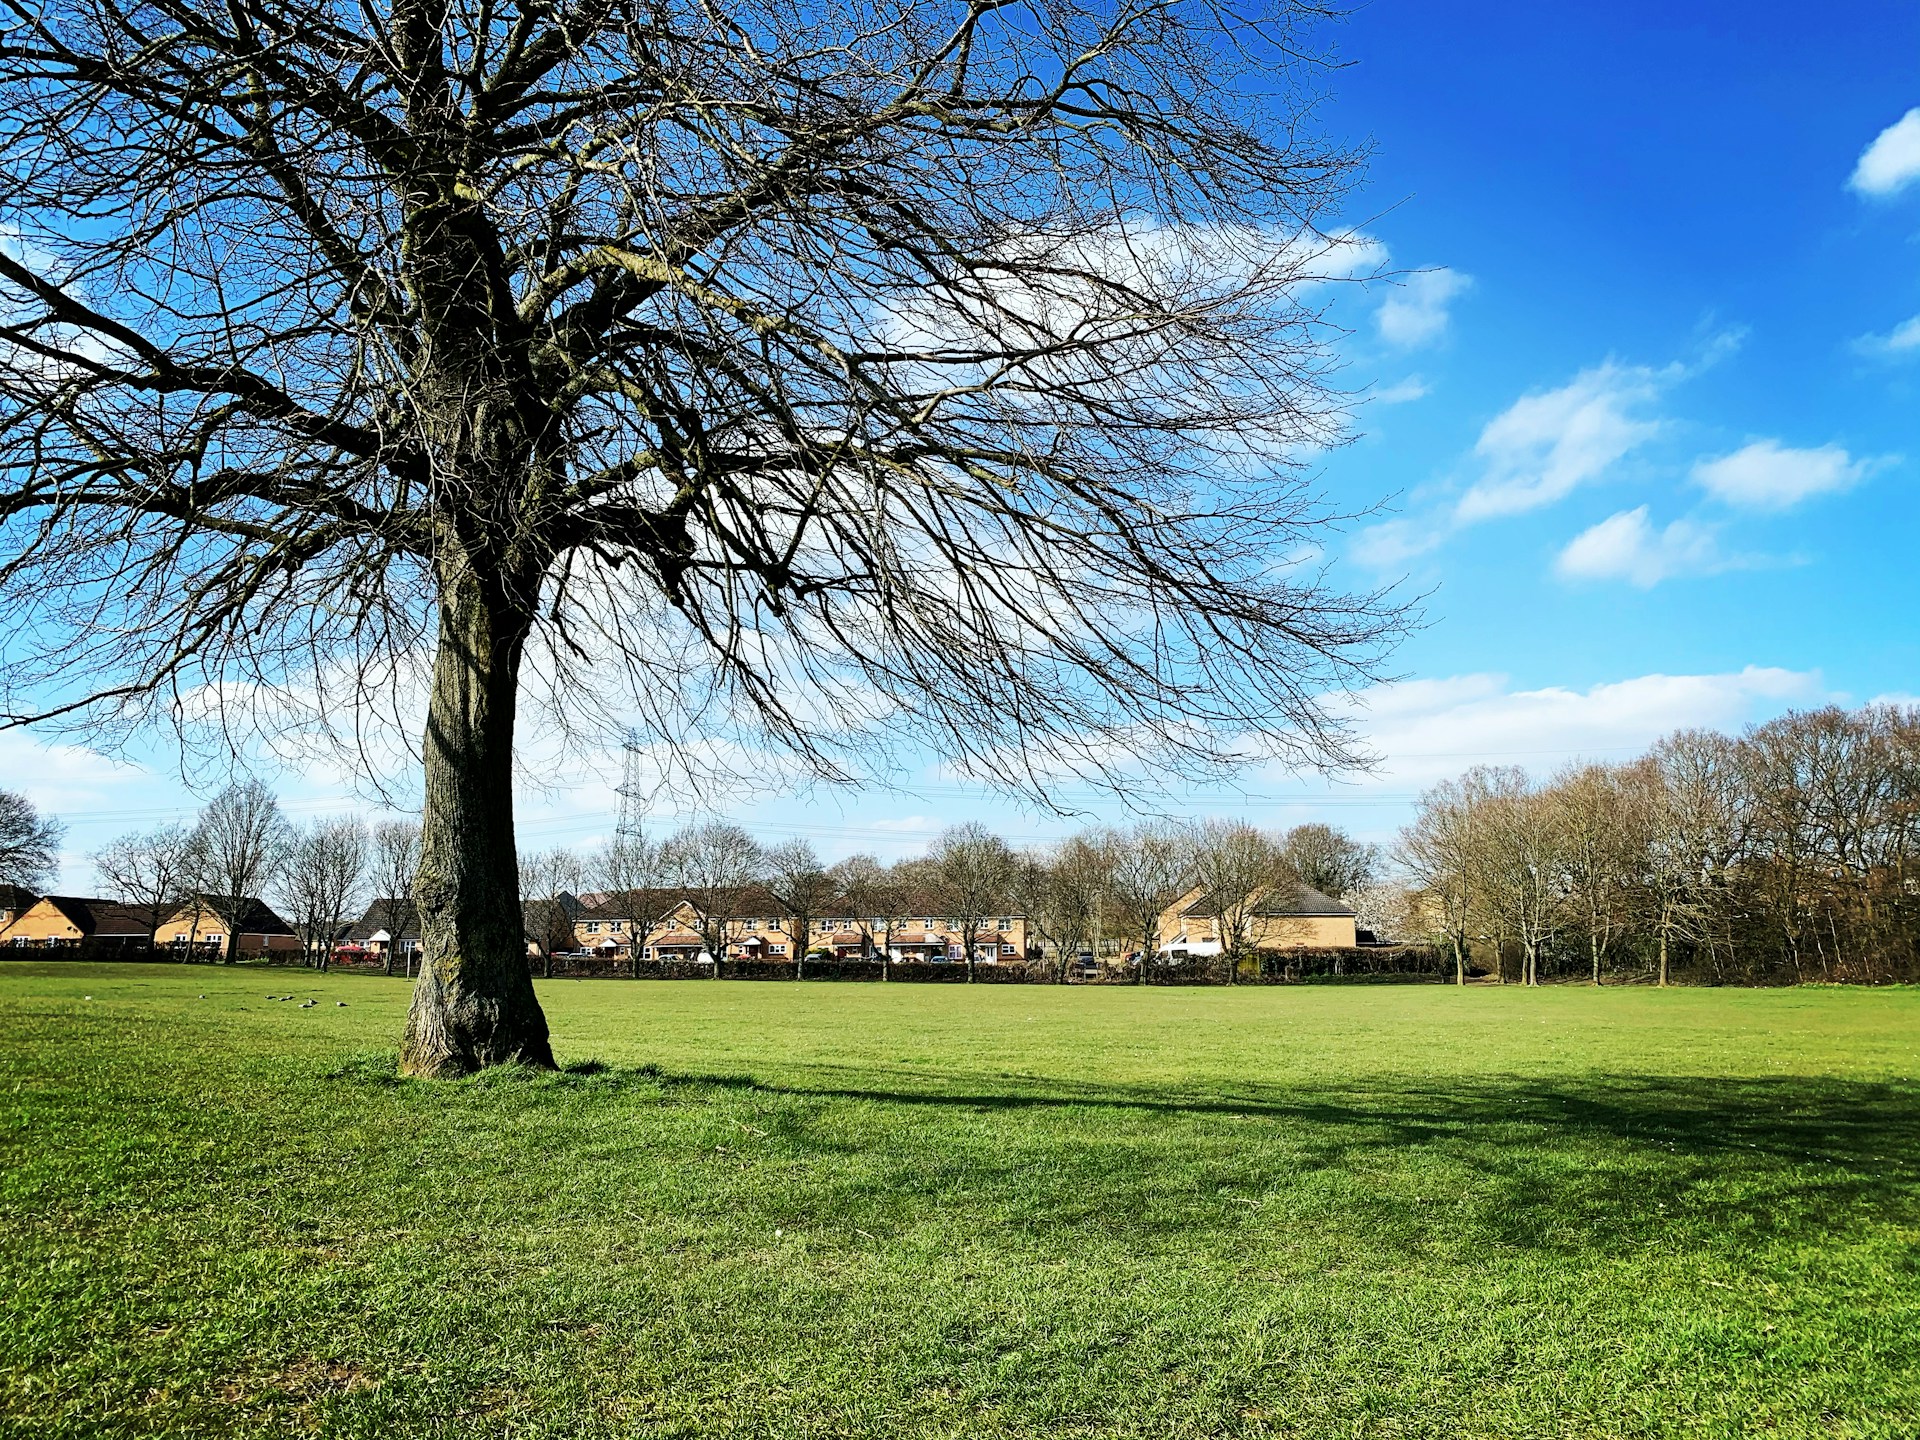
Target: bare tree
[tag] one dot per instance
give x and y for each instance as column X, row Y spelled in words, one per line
column 975, row 870
column 738, row 355
column 29, row 844
column 1439, row 853
column 800, row 882
column 240, row 841
column 1602, row 822
column 1238, row 865
column 712, row 864
column 632, row 869
column 1330, row 860
column 150, row 870
column 1518, row 854
column 394, row 862
column 1698, row 836
column 1060, row 892
column 320, row 879
column 1152, row 868
column 548, row 880
column 869, row 892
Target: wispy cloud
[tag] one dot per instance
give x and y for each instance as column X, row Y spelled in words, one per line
column 1767, row 475
column 1901, row 341
column 1628, row 547
column 1426, row 730
column 1545, row 445
column 1892, row 161
column 1418, row 309
column 1403, row 391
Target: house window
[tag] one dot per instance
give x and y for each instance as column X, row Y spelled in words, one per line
column 646, row 952
column 617, row 926
column 753, row 924
column 593, row 927
column 1006, row 923
column 777, row 949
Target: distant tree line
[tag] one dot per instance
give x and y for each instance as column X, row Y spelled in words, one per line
column 1785, row 854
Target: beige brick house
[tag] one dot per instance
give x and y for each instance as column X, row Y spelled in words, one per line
column 1292, row 916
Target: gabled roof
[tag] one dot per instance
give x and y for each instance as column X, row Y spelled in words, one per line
column 256, row 916
column 15, row 898
column 1280, row 901
column 399, row 918
column 91, row 915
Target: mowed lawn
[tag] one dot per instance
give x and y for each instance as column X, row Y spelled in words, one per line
column 899, row 1211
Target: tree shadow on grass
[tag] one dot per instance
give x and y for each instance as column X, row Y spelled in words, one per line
column 1568, row 1162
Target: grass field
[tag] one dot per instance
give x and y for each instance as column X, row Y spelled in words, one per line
column 857, row 1210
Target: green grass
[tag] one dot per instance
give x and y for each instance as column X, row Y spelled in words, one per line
column 903, row 1211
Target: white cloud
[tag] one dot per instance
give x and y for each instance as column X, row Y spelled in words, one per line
column 1627, row 547
column 1543, row 446
column 1427, row 730
column 1892, row 161
column 1402, row 391
column 1767, row 475
column 1416, row 312
column 1903, row 339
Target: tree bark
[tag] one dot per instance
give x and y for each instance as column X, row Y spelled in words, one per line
column 474, row 1004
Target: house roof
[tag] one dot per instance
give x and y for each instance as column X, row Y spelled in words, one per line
column 256, row 916
column 399, row 918
column 15, row 898
column 91, row 915
column 1279, row 901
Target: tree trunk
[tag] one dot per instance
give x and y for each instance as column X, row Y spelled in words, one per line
column 474, row 1004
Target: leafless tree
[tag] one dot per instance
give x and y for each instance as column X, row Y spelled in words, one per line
column 149, row 870
column 631, row 868
column 1439, row 852
column 395, row 861
column 1238, row 865
column 320, row 880
column 240, row 842
column 739, row 355
column 548, row 881
column 975, row 870
column 1152, row 869
column 1602, row 820
column 712, row 864
column 1522, row 887
column 869, row 891
column 1060, row 892
column 801, row 884
column 1330, row 860
column 29, row 844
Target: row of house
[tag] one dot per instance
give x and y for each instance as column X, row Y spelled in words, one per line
column 60, row 921
column 749, row 923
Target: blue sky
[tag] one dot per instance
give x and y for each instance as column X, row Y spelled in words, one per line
column 1645, row 409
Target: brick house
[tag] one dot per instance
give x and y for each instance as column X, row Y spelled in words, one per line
column 197, row 925
column 62, row 921
column 1290, row 916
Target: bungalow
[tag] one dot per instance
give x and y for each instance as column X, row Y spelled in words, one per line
column 57, row 921
column 198, row 925
column 1287, row 916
